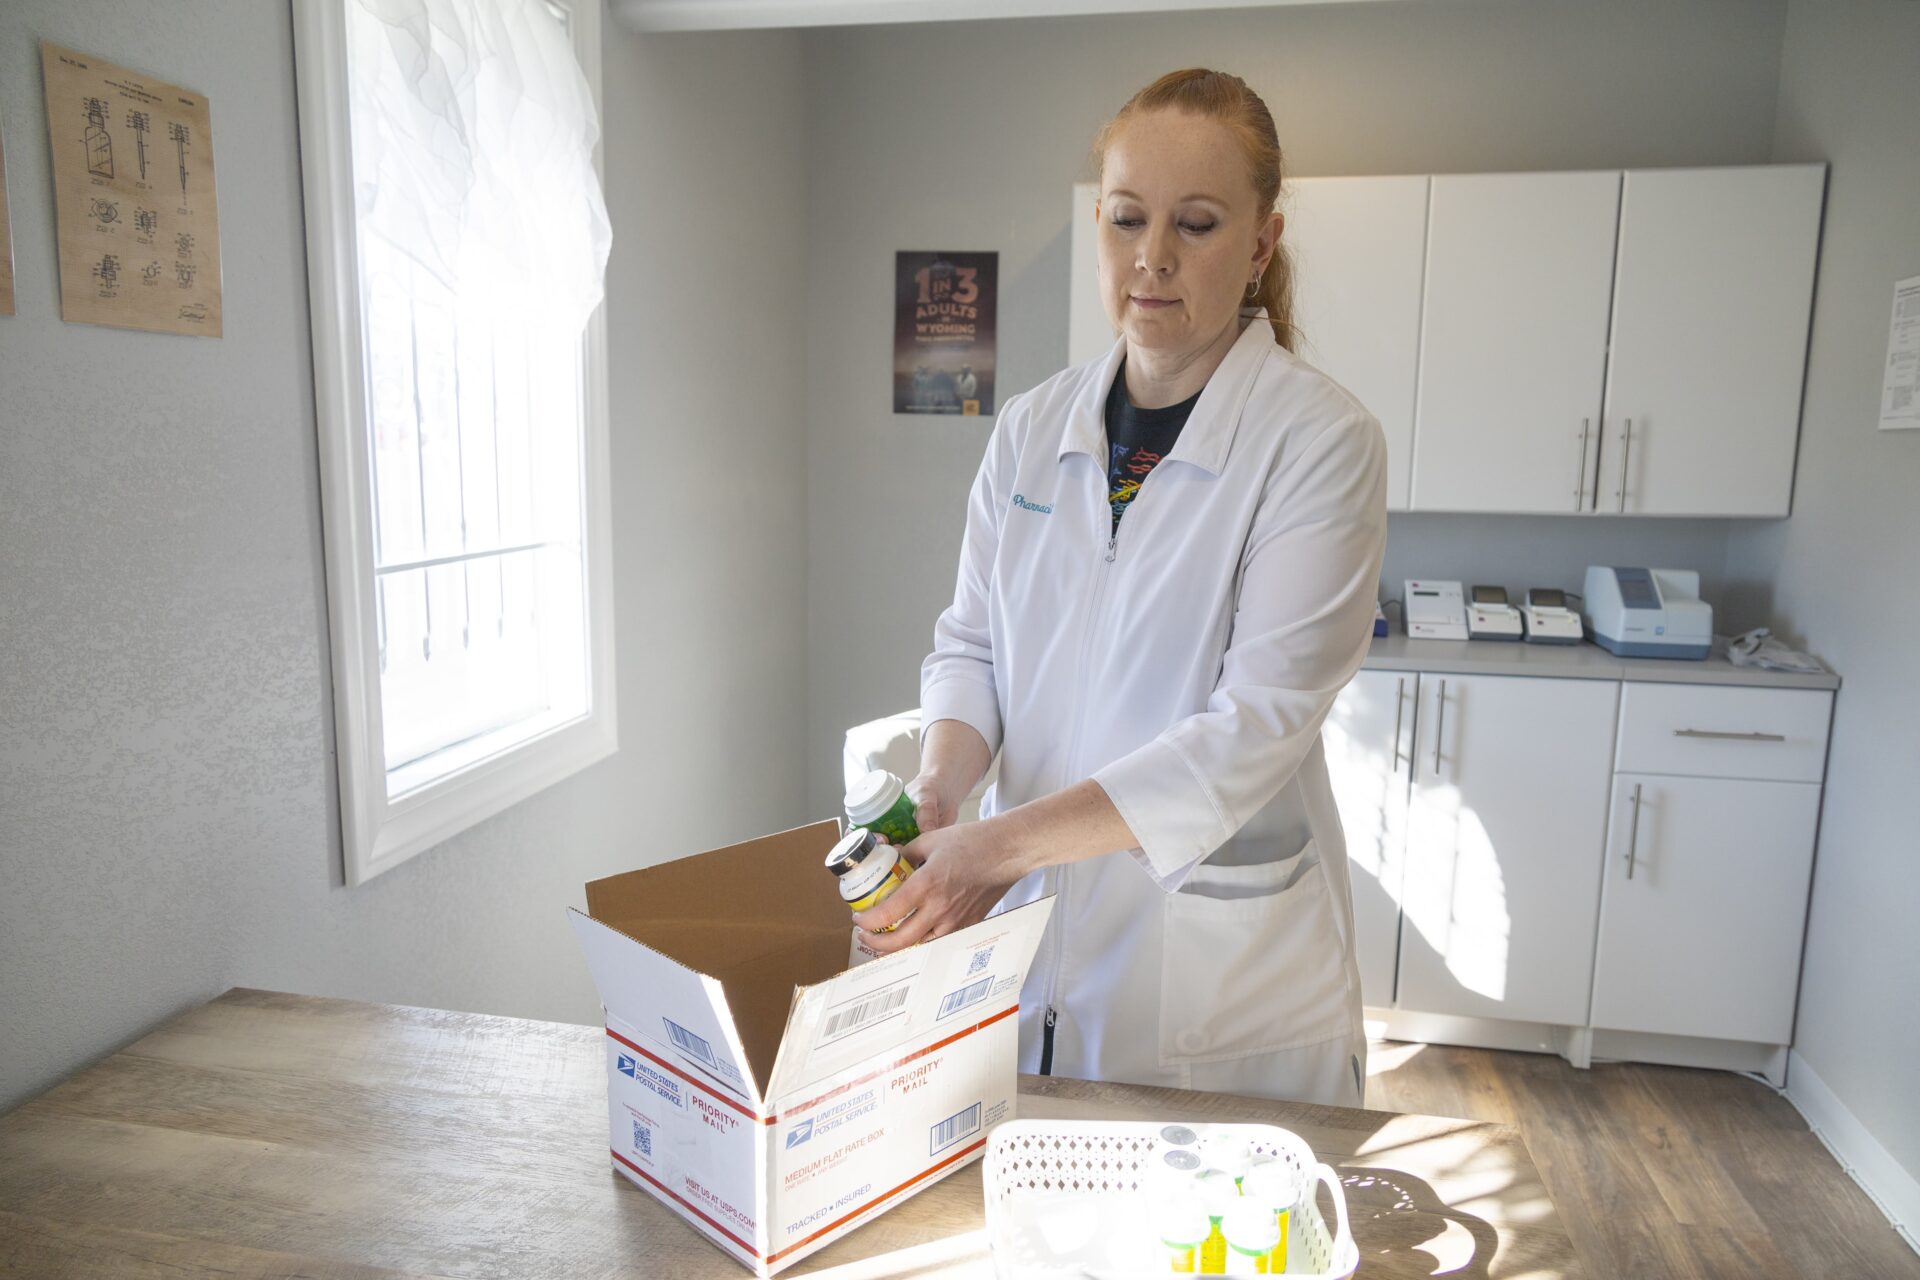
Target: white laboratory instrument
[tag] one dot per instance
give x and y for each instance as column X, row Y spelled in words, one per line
column 1490, row 617
column 1648, row 613
column 1434, row 611
column 1549, row 621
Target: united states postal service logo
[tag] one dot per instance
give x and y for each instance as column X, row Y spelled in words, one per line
column 799, row 1133
column 626, row 1065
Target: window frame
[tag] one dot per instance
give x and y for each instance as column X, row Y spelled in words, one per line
column 378, row 834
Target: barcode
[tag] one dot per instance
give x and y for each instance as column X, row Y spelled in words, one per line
column 875, row 1007
column 643, row 1139
column 958, row 1000
column 687, row 1042
column 954, row 1128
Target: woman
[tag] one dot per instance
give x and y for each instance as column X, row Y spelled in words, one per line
column 1169, row 572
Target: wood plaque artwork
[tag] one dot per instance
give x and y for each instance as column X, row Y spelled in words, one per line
column 133, row 194
column 6, row 238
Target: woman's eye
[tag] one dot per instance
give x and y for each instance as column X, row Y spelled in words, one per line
column 1191, row 228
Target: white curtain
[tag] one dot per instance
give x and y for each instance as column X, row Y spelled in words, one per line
column 473, row 136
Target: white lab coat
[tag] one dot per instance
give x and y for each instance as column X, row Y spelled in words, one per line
column 1185, row 665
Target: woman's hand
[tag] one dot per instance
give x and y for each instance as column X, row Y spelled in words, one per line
column 934, row 805
column 960, row 873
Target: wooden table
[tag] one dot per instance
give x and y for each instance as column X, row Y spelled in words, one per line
column 265, row 1134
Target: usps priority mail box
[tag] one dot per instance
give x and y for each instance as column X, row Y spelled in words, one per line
column 770, row 1095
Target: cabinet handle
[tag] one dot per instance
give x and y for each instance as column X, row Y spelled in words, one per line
column 1633, row 831
column 1399, row 709
column 1729, row 737
column 1439, row 726
column 1580, row 485
column 1626, row 453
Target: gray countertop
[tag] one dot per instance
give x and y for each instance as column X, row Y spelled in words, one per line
column 1583, row 661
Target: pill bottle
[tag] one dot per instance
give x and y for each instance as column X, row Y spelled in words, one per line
column 1274, row 1185
column 1217, row 1195
column 1251, row 1236
column 1181, row 1225
column 1227, row 1152
column 879, row 802
column 867, row 869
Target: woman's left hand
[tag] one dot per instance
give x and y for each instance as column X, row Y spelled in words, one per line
column 960, row 872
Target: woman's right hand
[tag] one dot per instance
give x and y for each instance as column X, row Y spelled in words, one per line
column 933, row 805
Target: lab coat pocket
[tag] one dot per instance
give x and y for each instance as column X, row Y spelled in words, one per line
column 1249, row 967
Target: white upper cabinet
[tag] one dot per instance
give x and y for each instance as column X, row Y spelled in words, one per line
column 1359, row 246
column 1712, row 294
column 1592, row 343
column 1513, row 340
column 1089, row 335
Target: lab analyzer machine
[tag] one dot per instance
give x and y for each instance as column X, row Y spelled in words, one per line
column 1434, row 611
column 1548, row 619
column 1490, row 617
column 1648, row 613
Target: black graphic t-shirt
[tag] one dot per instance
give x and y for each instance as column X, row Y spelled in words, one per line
column 1137, row 439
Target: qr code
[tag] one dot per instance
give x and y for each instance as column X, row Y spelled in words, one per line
column 643, row 1139
column 979, row 961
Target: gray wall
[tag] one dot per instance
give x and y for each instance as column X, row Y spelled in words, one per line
column 168, row 821
column 969, row 135
column 1839, row 576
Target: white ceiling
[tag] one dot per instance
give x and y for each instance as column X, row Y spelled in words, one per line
column 734, row 15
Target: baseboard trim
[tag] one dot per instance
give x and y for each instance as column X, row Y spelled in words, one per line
column 1893, row 1190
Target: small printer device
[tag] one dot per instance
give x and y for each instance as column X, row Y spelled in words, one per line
column 1434, row 611
column 1549, row 621
column 1648, row 613
column 1490, row 617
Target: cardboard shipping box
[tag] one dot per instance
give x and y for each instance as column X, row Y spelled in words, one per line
column 768, row 1094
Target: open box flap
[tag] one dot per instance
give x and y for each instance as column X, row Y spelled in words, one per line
column 675, row 1013
column 759, row 918
column 951, row 982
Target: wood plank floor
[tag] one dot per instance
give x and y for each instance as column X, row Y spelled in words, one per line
column 1666, row 1173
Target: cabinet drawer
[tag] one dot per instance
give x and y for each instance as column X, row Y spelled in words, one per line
column 1723, row 731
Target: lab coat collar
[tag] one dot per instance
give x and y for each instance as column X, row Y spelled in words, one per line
column 1208, row 434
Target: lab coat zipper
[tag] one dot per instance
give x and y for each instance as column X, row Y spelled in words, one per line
column 1052, row 1016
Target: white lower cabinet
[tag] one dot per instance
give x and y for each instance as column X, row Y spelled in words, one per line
column 1704, row 905
column 1363, row 735
column 1504, row 834
column 1597, row 866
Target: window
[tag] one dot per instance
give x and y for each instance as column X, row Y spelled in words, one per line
column 456, row 243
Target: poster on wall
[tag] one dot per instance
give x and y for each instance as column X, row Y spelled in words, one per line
column 133, row 197
column 6, row 236
column 943, row 332
column 1900, row 389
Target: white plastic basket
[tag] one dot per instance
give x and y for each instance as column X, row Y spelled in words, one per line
column 1096, row 1174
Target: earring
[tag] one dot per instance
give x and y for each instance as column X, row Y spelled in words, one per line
column 1253, row 286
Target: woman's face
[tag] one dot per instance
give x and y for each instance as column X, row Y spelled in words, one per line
column 1181, row 235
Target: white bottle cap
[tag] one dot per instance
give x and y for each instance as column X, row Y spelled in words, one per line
column 1250, row 1228
column 1226, row 1151
column 870, row 797
column 1217, row 1191
column 1272, row 1184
